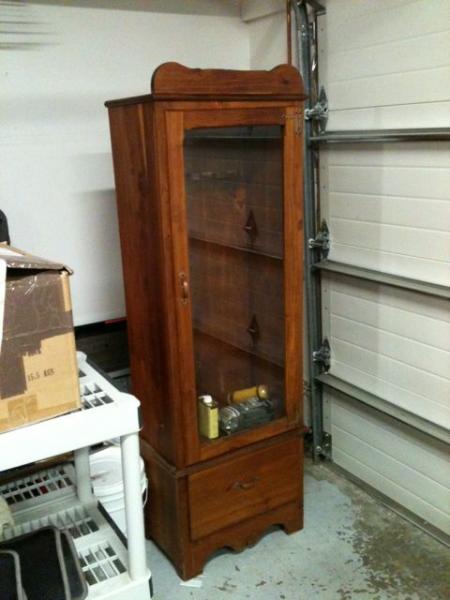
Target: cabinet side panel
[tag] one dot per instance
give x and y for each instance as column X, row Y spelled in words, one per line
column 142, row 258
column 293, row 240
column 164, row 516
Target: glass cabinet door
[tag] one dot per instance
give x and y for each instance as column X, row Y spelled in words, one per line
column 233, row 180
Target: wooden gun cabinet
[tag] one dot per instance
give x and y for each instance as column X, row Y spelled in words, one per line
column 208, row 171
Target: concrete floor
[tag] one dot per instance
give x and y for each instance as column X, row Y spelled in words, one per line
column 352, row 547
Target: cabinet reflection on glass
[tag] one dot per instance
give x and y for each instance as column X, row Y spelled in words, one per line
column 234, row 192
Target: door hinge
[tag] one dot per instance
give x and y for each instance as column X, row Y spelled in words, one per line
column 312, row 32
column 323, row 450
column 322, row 240
column 319, row 112
column 322, row 356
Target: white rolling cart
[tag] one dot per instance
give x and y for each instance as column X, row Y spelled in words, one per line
column 115, row 568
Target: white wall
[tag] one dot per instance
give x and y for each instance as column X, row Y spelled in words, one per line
column 266, row 20
column 384, row 64
column 56, row 180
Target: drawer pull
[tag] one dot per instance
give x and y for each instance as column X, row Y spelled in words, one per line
column 246, row 484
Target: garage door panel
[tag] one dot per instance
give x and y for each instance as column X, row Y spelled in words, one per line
column 393, row 210
column 391, row 345
column 393, row 469
column 411, row 326
column 384, row 434
column 428, row 270
column 387, row 207
column 392, row 453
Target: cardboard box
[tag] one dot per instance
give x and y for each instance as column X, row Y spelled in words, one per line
column 38, row 365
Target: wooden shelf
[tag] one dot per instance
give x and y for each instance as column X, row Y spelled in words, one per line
column 235, row 138
column 278, row 420
column 258, row 355
column 227, row 443
column 236, row 248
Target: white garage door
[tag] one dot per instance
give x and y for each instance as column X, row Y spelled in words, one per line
column 385, row 64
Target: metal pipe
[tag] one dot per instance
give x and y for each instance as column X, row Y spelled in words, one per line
column 406, row 283
column 382, row 135
column 289, row 32
column 312, row 283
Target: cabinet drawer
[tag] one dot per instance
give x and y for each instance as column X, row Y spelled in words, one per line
column 244, row 487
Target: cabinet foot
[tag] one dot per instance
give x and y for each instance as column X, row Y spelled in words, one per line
column 235, row 539
column 189, row 522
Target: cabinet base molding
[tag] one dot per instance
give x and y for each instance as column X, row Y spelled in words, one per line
column 185, row 523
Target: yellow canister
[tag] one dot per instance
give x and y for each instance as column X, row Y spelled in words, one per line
column 260, row 391
column 208, row 417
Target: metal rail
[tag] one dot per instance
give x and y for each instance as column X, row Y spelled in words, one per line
column 414, row 285
column 313, row 264
column 382, row 136
column 312, row 282
column 379, row 404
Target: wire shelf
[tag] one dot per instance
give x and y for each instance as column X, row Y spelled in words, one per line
column 100, row 563
column 36, row 486
column 49, row 498
column 53, row 496
column 76, row 520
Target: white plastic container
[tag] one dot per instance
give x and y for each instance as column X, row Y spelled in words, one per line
column 107, row 482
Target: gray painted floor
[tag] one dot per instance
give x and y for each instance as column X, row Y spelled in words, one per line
column 352, row 547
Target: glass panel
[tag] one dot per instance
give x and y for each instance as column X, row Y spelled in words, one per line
column 234, row 190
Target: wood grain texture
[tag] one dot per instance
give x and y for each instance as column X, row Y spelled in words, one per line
column 234, row 117
column 142, row 257
column 218, row 273
column 227, row 494
column 293, row 261
column 228, row 179
column 175, row 80
column 245, row 534
column 194, row 284
column 172, row 163
column 174, row 168
column 236, row 525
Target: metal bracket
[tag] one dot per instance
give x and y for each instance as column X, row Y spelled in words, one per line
column 319, row 112
column 322, row 356
column 323, row 450
column 318, row 8
column 322, row 240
